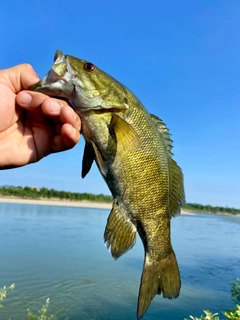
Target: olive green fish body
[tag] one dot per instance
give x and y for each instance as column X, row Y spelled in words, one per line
column 133, row 152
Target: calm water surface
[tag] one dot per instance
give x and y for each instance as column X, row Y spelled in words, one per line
column 58, row 252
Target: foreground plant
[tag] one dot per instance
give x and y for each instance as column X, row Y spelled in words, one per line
column 42, row 313
column 229, row 314
column 208, row 316
column 4, row 291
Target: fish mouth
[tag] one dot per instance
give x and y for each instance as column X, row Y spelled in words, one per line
column 61, row 68
column 60, row 72
column 58, row 57
column 63, row 81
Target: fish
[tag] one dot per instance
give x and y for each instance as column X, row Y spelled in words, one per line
column 132, row 150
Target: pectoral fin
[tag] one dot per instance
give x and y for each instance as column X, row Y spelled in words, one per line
column 120, row 232
column 124, row 134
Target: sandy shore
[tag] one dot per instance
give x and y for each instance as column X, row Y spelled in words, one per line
column 57, row 202
column 188, row 213
column 66, row 203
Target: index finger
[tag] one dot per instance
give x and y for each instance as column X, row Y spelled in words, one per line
column 35, row 100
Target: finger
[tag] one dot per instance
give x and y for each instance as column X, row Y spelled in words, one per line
column 20, row 77
column 68, row 115
column 70, row 135
column 52, row 107
column 29, row 99
column 68, row 139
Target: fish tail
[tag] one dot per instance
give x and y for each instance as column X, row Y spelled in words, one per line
column 158, row 277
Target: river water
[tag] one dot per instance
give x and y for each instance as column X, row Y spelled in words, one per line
column 58, row 253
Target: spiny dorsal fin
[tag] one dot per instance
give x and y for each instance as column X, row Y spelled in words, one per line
column 164, row 131
column 176, row 188
column 123, row 133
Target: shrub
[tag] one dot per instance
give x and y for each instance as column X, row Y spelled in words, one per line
column 229, row 314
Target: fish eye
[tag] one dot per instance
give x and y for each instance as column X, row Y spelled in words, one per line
column 89, row 67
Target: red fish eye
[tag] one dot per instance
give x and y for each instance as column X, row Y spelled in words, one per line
column 89, row 67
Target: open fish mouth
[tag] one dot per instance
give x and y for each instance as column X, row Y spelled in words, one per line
column 59, row 57
column 60, row 72
column 61, row 67
column 66, row 80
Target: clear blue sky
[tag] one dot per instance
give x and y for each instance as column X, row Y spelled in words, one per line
column 182, row 60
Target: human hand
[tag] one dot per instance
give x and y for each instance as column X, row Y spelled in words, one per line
column 32, row 125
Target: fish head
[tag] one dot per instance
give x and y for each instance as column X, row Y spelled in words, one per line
column 81, row 83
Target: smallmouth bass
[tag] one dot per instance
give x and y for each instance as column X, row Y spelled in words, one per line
column 132, row 149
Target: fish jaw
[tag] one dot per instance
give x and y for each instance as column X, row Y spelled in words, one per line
column 58, row 81
column 67, row 79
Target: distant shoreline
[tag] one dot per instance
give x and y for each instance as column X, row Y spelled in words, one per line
column 56, row 202
column 67, row 203
column 84, row 204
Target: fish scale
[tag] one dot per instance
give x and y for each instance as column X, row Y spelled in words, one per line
column 132, row 150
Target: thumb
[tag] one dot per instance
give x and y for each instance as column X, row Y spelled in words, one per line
column 20, row 77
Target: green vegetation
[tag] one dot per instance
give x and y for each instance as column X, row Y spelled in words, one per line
column 35, row 193
column 4, row 291
column 39, row 193
column 208, row 208
column 229, row 314
column 42, row 313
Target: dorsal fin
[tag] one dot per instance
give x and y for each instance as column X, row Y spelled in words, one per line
column 176, row 188
column 164, row 131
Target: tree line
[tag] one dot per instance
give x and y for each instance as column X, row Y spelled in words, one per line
column 37, row 193
column 208, row 208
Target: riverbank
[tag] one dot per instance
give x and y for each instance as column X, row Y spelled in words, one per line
column 57, row 202
column 66, row 203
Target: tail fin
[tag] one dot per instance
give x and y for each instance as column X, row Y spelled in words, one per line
column 158, row 277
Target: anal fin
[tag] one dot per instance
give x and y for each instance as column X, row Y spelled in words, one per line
column 120, row 232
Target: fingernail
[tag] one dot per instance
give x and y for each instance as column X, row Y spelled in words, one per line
column 54, row 106
column 25, row 99
column 37, row 77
